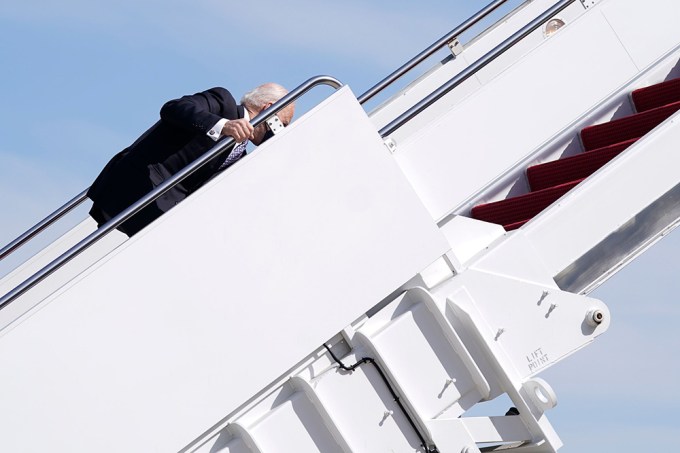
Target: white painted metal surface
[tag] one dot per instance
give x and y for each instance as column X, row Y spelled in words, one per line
column 646, row 31
column 472, row 51
column 487, row 133
column 178, row 329
column 413, row 338
column 11, row 313
column 469, row 237
column 204, row 332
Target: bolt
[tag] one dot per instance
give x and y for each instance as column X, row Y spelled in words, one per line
column 595, row 317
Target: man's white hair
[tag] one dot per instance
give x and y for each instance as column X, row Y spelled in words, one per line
column 262, row 95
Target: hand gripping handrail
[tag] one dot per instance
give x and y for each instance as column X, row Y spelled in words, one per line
column 474, row 68
column 160, row 190
column 422, row 56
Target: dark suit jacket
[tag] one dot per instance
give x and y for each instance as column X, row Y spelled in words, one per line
column 168, row 146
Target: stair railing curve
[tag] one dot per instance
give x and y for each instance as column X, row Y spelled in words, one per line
column 160, row 190
column 474, row 67
column 434, row 47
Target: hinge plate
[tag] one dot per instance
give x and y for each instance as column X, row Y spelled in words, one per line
column 391, row 145
column 275, row 124
column 455, row 47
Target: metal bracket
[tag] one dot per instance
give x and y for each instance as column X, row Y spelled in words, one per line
column 391, row 145
column 588, row 3
column 275, row 124
column 455, row 47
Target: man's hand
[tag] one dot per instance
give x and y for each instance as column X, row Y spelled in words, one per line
column 239, row 129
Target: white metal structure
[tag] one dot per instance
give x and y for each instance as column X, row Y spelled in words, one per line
column 346, row 301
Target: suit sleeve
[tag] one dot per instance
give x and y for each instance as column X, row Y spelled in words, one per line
column 201, row 111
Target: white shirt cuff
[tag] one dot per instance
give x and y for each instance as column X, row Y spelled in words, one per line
column 216, row 132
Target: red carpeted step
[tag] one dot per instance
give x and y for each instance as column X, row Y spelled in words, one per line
column 515, row 225
column 522, row 208
column 574, row 167
column 658, row 95
column 626, row 128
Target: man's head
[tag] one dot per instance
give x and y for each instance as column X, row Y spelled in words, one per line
column 261, row 98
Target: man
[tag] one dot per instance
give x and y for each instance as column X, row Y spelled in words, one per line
column 189, row 126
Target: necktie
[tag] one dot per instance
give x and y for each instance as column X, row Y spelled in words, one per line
column 235, row 154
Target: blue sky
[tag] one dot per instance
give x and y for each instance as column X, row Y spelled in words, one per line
column 82, row 79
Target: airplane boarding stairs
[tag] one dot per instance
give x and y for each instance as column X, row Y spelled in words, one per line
column 244, row 339
column 603, row 142
column 464, row 331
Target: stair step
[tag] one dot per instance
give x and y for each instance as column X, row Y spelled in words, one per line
column 658, row 95
column 515, row 225
column 519, row 209
column 603, row 142
column 572, row 168
column 629, row 127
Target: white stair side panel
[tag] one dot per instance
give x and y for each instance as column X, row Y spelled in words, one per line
column 469, row 237
column 607, row 200
column 364, row 410
column 267, row 261
column 486, row 134
column 646, row 29
column 13, row 311
column 472, row 51
column 294, row 426
column 411, row 343
column 501, row 31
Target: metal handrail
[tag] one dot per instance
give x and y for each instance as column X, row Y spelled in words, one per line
column 387, row 81
column 474, row 68
column 44, row 223
column 422, row 56
column 160, row 190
